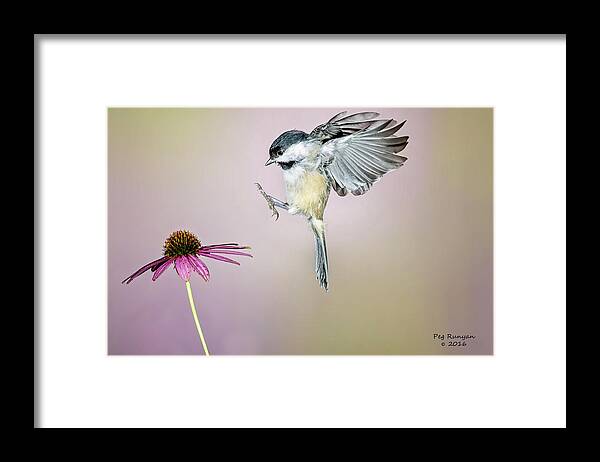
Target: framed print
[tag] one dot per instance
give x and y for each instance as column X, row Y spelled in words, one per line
column 257, row 232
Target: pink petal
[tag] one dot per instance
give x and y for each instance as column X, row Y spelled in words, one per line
column 199, row 267
column 224, row 246
column 212, row 246
column 143, row 269
column 230, row 252
column 161, row 269
column 218, row 257
column 183, row 268
column 203, row 265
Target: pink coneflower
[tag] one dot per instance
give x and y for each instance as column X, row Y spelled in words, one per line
column 183, row 249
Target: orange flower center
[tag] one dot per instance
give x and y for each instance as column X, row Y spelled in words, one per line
column 181, row 243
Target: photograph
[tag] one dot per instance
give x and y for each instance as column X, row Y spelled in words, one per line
column 300, row 231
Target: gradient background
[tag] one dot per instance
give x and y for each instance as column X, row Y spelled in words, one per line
column 410, row 258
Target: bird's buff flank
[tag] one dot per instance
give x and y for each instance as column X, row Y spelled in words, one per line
column 309, row 194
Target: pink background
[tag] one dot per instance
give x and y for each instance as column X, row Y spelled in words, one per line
column 410, row 258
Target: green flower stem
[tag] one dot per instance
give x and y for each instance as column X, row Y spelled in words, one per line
column 193, row 307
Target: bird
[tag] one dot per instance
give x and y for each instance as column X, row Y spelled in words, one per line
column 348, row 153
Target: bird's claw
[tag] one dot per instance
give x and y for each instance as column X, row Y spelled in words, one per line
column 270, row 202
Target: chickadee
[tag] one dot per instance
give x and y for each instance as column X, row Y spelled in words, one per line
column 348, row 153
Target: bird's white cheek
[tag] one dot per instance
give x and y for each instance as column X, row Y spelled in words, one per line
column 300, row 151
column 292, row 175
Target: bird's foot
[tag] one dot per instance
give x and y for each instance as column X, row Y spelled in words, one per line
column 269, row 200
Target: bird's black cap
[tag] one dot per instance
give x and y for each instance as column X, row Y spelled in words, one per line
column 284, row 141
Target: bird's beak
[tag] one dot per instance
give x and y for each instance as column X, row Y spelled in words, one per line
column 269, row 162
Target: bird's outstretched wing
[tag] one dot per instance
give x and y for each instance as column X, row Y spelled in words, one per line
column 353, row 162
column 342, row 125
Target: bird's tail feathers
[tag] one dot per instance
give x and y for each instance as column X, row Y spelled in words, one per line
column 321, row 262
